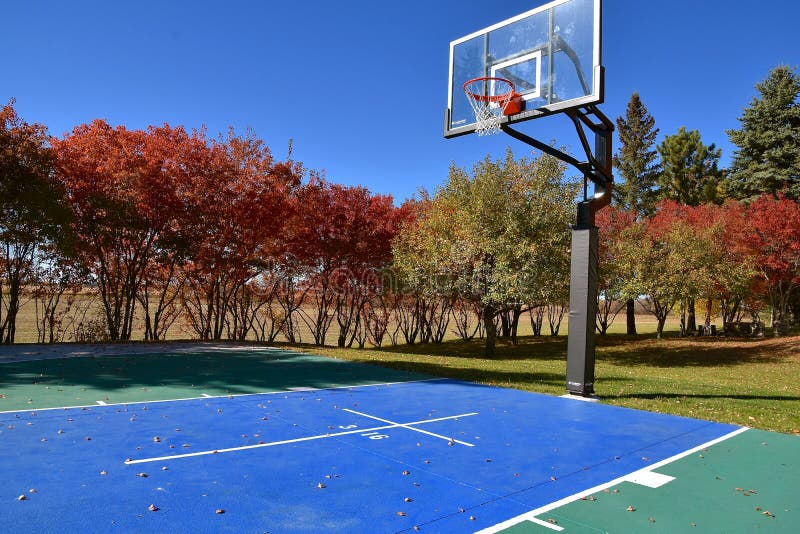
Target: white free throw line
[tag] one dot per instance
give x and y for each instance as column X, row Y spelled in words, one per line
column 530, row 516
column 296, row 440
column 409, row 427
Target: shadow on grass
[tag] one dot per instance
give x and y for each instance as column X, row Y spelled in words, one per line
column 655, row 396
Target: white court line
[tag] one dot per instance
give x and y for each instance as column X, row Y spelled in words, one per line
column 102, row 403
column 283, row 391
column 409, row 427
column 296, row 440
column 530, row 516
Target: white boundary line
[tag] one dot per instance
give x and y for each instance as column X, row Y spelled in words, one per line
column 531, row 516
column 298, row 440
column 409, row 427
column 206, row 396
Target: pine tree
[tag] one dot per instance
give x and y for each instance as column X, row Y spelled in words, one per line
column 690, row 172
column 637, row 164
column 768, row 155
column 637, row 159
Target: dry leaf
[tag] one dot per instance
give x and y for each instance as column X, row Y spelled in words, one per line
column 652, row 520
column 156, row 439
column 321, row 485
column 401, row 514
column 472, row 518
column 219, row 511
column 406, row 472
column 408, row 499
column 143, row 475
column 153, row 508
column 103, row 472
column 630, row 509
column 552, row 520
column 22, row 497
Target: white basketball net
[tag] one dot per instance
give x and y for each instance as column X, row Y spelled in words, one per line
column 489, row 98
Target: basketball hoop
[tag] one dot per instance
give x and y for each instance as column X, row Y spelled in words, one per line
column 491, row 99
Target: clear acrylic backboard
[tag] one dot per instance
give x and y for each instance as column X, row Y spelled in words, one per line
column 551, row 54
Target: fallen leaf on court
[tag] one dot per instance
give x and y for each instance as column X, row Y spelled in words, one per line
column 630, row 509
column 142, row 475
column 60, row 431
column 768, row 513
column 461, row 510
column 488, row 460
column 416, row 484
column 552, row 520
column 406, row 472
column 22, row 497
column 88, row 438
column 758, row 508
column 156, row 439
column 44, row 439
column 451, row 442
column 408, row 499
column 164, row 468
column 752, row 491
column 426, row 461
column 616, row 491
column 103, row 472
column 32, row 490
column 321, row 485
column 592, row 498
column 219, row 511
column 645, row 458
column 652, row 520
column 401, row 514
column 472, row 518
column 153, row 508
column 552, row 478
column 692, row 524
column 185, row 445
column 416, row 527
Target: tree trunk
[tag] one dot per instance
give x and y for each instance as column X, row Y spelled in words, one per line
column 691, row 322
column 491, row 330
column 630, row 312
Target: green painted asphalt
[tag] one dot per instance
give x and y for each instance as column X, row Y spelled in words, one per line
column 158, row 376
column 747, row 483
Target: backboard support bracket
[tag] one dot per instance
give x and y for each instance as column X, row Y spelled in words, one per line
column 584, row 253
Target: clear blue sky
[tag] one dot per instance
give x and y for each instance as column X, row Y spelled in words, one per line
column 360, row 86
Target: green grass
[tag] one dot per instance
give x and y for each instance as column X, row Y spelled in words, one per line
column 754, row 383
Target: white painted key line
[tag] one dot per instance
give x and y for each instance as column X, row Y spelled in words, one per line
column 408, row 426
column 638, row 477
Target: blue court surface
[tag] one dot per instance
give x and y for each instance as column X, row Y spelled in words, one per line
column 432, row 455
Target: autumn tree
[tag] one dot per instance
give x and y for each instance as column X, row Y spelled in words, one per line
column 237, row 211
column 775, row 241
column 124, row 199
column 491, row 234
column 637, row 164
column 611, row 222
column 32, row 211
column 340, row 239
column 767, row 158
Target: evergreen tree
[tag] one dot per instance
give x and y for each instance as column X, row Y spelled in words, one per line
column 690, row 172
column 637, row 164
column 768, row 155
column 637, row 159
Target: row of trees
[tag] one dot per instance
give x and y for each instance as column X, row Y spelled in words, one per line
column 167, row 226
